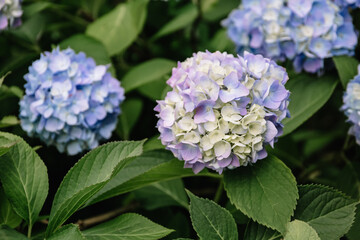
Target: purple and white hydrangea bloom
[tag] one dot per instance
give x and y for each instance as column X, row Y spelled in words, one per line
column 223, row 110
column 351, row 106
column 70, row 102
column 10, row 13
column 304, row 31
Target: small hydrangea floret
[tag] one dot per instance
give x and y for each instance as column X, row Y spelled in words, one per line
column 10, row 13
column 223, row 110
column 70, row 102
column 304, row 31
column 351, row 106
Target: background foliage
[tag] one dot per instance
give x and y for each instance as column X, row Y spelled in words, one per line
column 308, row 186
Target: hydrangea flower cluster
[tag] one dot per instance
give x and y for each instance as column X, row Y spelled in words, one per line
column 304, row 31
column 70, row 102
column 348, row 3
column 223, row 110
column 10, row 13
column 351, row 105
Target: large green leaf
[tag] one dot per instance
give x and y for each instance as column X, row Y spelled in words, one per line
column 7, row 214
column 88, row 176
column 186, row 16
column 129, row 226
column 6, row 144
column 354, row 231
column 255, row 231
column 69, row 231
column 146, row 72
column 219, row 9
column 91, row 47
column 24, row 178
column 120, row 27
column 131, row 110
column 299, row 230
column 6, row 233
column 151, row 167
column 210, row 220
column 266, row 192
column 308, row 95
column 328, row 211
column 346, row 67
column 161, row 194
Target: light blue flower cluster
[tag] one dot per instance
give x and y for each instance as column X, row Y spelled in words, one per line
column 351, row 105
column 348, row 3
column 304, row 31
column 223, row 110
column 10, row 13
column 70, row 102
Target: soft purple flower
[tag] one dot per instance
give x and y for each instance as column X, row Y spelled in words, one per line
column 223, row 110
column 70, row 102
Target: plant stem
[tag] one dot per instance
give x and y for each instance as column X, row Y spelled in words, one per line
column 29, row 230
column 219, row 191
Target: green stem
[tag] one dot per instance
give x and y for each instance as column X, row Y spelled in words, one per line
column 219, row 191
column 29, row 231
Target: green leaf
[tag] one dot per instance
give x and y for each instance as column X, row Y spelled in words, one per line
column 266, row 192
column 129, row 226
column 239, row 217
column 210, row 220
column 354, row 231
column 131, row 111
column 146, row 72
column 161, row 194
column 328, row 211
column 221, row 42
column 13, row 91
column 32, row 29
column 151, row 167
column 187, row 15
column 6, row 144
column 299, row 230
column 34, row 8
column 154, row 90
column 346, row 67
column 88, row 176
column 24, row 178
column 3, row 78
column 9, row 121
column 91, row 47
column 120, row 27
column 7, row 233
column 69, row 231
column 308, row 95
column 219, row 10
column 255, row 231
column 153, row 143
column 7, row 214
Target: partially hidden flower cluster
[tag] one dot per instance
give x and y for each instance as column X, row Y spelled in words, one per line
column 351, row 106
column 304, row 31
column 10, row 13
column 348, row 3
column 70, row 102
column 223, row 110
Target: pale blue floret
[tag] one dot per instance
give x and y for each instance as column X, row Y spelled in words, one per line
column 70, row 102
column 10, row 14
column 351, row 106
column 304, row 31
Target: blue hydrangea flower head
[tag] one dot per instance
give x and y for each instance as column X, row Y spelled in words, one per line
column 70, row 102
column 351, row 106
column 10, row 13
column 223, row 110
column 348, row 3
column 303, row 31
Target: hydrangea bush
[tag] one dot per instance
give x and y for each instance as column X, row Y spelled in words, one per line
column 240, row 146
column 305, row 32
column 223, row 110
column 351, row 106
column 10, row 13
column 70, row 102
